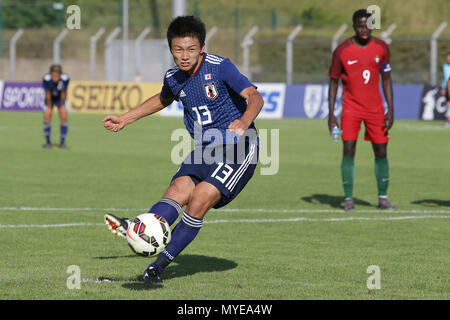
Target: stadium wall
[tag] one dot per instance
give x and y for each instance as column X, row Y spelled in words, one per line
column 411, row 101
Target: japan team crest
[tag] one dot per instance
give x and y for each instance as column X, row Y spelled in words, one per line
column 211, row 90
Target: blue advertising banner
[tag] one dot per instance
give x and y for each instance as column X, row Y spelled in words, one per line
column 432, row 104
column 272, row 93
column 274, row 100
column 311, row 101
column 407, row 99
column 280, row 100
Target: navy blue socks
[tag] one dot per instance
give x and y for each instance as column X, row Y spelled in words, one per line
column 63, row 129
column 168, row 209
column 184, row 232
column 47, row 131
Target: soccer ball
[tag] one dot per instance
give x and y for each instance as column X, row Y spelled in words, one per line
column 148, row 234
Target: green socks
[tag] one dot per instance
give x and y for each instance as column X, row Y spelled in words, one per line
column 348, row 173
column 382, row 175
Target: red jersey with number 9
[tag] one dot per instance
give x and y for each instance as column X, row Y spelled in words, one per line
column 360, row 68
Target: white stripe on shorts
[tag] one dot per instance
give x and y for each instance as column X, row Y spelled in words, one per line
column 238, row 174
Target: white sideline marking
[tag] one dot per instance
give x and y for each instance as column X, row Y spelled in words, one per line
column 296, row 219
column 87, row 280
column 225, row 210
column 330, row 211
column 423, row 127
column 58, row 225
column 67, row 209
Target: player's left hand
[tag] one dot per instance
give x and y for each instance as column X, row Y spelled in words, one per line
column 113, row 123
column 389, row 120
column 238, row 126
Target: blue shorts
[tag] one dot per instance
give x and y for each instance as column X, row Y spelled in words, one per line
column 227, row 167
column 57, row 103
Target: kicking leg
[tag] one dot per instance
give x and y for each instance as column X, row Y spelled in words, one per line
column 169, row 207
column 175, row 197
column 203, row 198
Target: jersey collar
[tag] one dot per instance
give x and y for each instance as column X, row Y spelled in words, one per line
column 199, row 65
column 353, row 41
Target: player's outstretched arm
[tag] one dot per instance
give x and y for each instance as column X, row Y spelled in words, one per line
column 386, row 83
column 152, row 105
column 255, row 103
column 332, row 92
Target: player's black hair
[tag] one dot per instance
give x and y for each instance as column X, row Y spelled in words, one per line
column 186, row 26
column 56, row 68
column 361, row 13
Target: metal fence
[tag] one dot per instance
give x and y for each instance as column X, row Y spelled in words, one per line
column 147, row 61
column 411, row 60
column 268, row 44
column 291, row 59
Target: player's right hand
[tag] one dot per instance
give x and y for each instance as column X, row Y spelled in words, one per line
column 332, row 122
column 113, row 123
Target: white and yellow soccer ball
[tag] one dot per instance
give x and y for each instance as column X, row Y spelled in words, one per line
column 148, row 234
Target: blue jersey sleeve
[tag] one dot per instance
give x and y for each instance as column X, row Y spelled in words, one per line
column 46, row 85
column 65, row 80
column 231, row 76
column 166, row 92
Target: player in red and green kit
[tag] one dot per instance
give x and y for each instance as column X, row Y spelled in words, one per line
column 359, row 61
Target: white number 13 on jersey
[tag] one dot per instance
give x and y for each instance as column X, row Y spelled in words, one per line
column 203, row 111
column 366, row 76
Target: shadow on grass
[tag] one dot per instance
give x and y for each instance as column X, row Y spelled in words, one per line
column 333, row 201
column 433, row 202
column 183, row 266
column 117, row 257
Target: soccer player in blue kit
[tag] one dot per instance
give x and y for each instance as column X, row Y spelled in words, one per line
column 222, row 102
column 55, row 84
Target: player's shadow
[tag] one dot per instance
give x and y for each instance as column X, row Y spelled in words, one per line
column 432, row 202
column 182, row 266
column 116, row 257
column 333, row 201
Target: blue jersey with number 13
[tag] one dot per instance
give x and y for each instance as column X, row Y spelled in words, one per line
column 210, row 96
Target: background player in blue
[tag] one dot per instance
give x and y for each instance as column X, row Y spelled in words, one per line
column 215, row 96
column 445, row 90
column 55, row 84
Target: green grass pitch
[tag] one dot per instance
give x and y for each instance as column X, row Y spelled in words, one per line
column 284, row 237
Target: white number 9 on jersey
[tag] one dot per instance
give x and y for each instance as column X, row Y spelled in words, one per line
column 366, row 76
